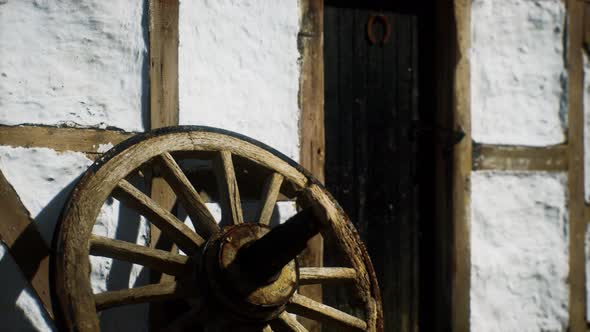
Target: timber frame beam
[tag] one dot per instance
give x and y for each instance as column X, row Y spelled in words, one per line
column 311, row 105
column 461, row 169
column 83, row 140
column 577, row 209
column 520, row 158
column 164, row 112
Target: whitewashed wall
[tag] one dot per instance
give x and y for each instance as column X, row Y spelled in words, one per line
column 238, row 68
column 519, row 235
column 84, row 63
column 81, row 63
column 519, row 252
column 519, row 81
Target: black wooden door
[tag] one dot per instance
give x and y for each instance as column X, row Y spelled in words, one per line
column 372, row 154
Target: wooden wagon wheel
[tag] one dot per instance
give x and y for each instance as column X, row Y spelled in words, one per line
column 244, row 275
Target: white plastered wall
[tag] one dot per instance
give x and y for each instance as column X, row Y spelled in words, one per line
column 519, row 235
column 519, row 81
column 79, row 63
column 237, row 65
column 84, row 64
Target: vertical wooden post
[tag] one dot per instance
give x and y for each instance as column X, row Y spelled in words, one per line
column 163, row 84
column 577, row 224
column 461, row 172
column 163, row 63
column 311, row 104
column 163, row 27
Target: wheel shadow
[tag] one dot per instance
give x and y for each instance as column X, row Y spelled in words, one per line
column 124, row 275
column 20, row 307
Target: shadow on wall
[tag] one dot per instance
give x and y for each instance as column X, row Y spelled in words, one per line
column 20, row 309
column 123, row 275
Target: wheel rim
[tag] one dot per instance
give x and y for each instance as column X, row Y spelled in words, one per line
column 107, row 177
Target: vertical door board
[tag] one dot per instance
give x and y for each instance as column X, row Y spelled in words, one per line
column 371, row 154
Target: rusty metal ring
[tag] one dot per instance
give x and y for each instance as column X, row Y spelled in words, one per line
column 383, row 19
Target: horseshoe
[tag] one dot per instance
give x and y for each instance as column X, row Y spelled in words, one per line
column 383, row 19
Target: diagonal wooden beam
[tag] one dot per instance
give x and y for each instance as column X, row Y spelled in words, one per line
column 26, row 245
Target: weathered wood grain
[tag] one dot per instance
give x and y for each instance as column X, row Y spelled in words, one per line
column 164, row 110
column 162, row 194
column 575, row 155
column 160, row 260
column 163, row 26
column 60, row 138
column 324, row 275
column 311, row 103
column 304, row 306
column 270, row 193
column 287, row 323
column 519, row 158
column 176, row 230
column 229, row 194
column 72, row 280
column 348, row 242
column 461, row 168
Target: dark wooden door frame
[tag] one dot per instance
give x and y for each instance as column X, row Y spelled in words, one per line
column 452, row 79
column 451, row 76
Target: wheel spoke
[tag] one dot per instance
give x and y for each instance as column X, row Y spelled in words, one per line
column 182, row 235
column 325, row 275
column 149, row 293
column 156, row 259
column 194, row 205
column 306, row 307
column 229, row 195
column 269, row 197
column 287, row 323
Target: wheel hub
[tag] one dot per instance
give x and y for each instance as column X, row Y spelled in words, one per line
column 234, row 282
